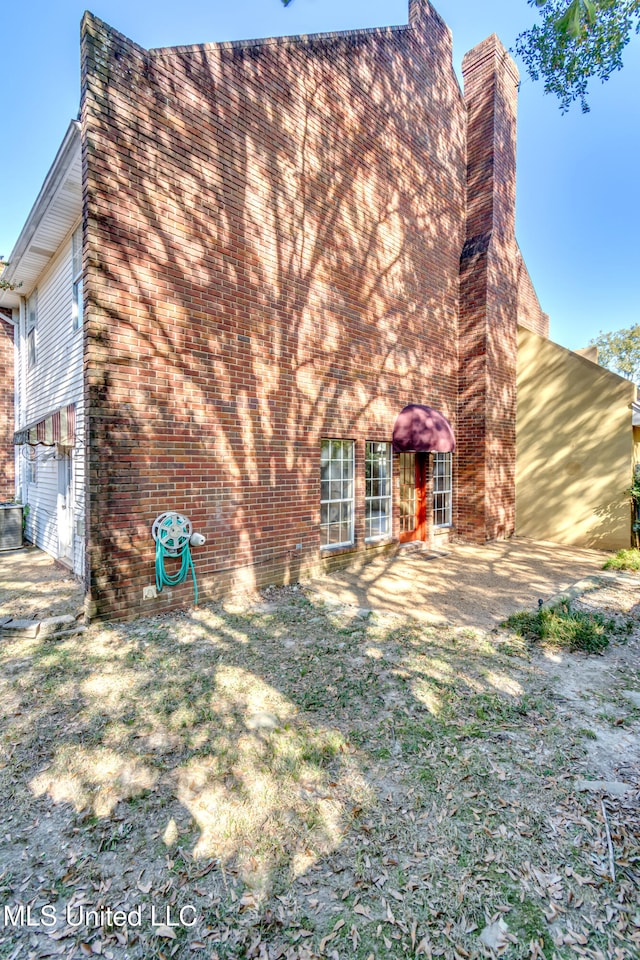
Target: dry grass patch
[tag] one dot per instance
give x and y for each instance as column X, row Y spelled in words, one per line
column 310, row 783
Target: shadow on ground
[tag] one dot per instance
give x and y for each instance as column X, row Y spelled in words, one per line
column 476, row 585
column 32, row 586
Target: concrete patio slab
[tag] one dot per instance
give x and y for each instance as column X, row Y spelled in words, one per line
column 466, row 584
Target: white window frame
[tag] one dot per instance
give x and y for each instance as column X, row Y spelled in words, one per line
column 442, row 489
column 32, row 467
column 337, row 493
column 378, row 490
column 31, row 329
column 77, row 308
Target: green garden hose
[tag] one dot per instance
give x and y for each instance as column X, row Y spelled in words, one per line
column 171, row 532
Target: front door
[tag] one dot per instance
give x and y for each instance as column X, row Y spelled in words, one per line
column 413, row 496
column 65, row 509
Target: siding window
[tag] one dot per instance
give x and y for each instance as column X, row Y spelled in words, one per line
column 32, row 468
column 442, row 489
column 32, row 324
column 378, row 490
column 77, row 280
column 336, row 493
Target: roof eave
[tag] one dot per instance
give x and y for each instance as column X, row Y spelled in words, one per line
column 58, row 173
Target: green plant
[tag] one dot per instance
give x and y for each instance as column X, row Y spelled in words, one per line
column 26, row 510
column 587, row 733
column 634, row 493
column 5, row 284
column 624, row 560
column 563, row 627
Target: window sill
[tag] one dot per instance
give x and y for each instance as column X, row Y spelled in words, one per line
column 332, row 549
column 376, row 541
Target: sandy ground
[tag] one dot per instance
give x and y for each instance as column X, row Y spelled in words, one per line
column 468, row 584
column 33, row 586
column 479, row 586
column 475, row 585
column 602, row 693
column 408, row 765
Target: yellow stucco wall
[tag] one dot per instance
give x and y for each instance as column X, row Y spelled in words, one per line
column 574, row 448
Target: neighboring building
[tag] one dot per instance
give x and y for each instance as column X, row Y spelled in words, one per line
column 285, row 244
column 575, row 449
column 7, row 472
column 49, row 389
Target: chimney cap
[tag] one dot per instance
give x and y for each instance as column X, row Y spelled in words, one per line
column 490, row 48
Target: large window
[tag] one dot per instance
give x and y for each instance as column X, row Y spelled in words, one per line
column 76, row 277
column 336, row 493
column 32, row 324
column 442, row 489
column 378, row 490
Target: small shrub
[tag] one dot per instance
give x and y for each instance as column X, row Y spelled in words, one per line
column 563, row 627
column 624, row 560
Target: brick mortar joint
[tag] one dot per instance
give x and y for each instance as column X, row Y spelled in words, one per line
column 296, row 41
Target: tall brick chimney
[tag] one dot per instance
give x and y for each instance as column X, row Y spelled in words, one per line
column 488, row 299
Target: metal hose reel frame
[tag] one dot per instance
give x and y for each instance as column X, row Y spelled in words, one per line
column 173, row 531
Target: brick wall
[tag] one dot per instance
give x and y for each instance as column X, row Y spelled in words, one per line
column 273, row 235
column 530, row 314
column 488, row 299
column 7, row 461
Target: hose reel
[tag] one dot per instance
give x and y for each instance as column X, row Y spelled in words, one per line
column 174, row 536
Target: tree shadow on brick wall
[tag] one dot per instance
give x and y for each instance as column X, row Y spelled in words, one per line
column 489, row 307
column 278, row 239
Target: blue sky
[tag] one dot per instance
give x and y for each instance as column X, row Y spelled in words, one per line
column 578, row 175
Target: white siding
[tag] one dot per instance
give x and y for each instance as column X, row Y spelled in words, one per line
column 56, row 377
column 42, row 497
column 55, row 380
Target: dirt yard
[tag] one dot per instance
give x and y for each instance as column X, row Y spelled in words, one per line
column 312, row 774
column 476, row 585
column 32, row 585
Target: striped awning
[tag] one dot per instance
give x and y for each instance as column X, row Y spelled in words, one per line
column 58, row 427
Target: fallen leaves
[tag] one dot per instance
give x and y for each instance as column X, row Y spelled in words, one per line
column 439, row 837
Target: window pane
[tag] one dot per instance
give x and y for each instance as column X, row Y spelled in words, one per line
column 336, row 492
column 378, row 490
column 77, row 306
column 442, row 489
column 407, row 492
column 31, row 348
column 76, row 245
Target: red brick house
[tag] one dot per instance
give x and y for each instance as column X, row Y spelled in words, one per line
column 285, row 244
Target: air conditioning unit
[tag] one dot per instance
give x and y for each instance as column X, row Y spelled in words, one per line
column 10, row 526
